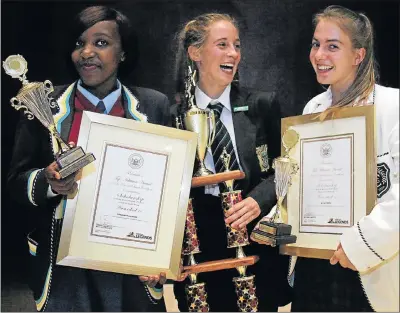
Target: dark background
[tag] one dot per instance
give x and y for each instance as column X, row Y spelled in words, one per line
column 275, row 36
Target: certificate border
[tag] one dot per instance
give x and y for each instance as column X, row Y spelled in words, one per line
column 160, row 201
column 368, row 112
column 152, row 267
column 334, row 137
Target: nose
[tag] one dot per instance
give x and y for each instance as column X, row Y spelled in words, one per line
column 319, row 54
column 87, row 52
column 233, row 52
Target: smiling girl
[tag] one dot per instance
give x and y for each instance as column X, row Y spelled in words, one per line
column 210, row 44
column 100, row 48
column 363, row 274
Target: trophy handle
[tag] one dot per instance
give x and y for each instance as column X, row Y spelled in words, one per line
column 211, row 117
column 48, row 88
column 17, row 104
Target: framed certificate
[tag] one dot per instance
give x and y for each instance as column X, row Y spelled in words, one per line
column 129, row 213
column 336, row 182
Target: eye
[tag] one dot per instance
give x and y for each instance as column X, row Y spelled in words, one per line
column 78, row 44
column 333, row 47
column 314, row 44
column 237, row 46
column 222, row 44
column 101, row 43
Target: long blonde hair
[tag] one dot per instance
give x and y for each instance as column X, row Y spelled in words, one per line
column 360, row 31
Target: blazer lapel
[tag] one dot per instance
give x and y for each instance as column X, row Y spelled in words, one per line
column 131, row 104
column 65, row 115
column 245, row 134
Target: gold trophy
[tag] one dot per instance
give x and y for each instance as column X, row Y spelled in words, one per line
column 199, row 121
column 34, row 99
column 274, row 231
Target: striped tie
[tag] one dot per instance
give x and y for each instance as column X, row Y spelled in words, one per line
column 101, row 108
column 222, row 140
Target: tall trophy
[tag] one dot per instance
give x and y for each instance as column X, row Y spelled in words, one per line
column 275, row 231
column 238, row 238
column 34, row 99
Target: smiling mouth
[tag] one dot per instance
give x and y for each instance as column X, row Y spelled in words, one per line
column 324, row 68
column 89, row 66
column 227, row 67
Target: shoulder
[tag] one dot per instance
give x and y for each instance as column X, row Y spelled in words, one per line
column 147, row 94
column 387, row 106
column 315, row 102
column 387, row 96
column 59, row 90
column 257, row 100
column 387, row 102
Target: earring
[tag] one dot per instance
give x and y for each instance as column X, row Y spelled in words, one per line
column 123, row 58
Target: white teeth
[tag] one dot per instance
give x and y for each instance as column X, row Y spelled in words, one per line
column 324, row 67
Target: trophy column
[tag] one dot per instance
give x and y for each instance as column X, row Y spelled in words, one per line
column 247, row 300
column 196, row 293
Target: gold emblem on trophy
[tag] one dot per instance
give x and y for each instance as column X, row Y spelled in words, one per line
column 275, row 231
column 34, row 99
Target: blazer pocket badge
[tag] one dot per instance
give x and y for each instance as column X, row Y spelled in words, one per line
column 262, row 154
column 241, row 109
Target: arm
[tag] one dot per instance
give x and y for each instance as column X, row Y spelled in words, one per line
column 264, row 193
column 375, row 238
column 26, row 181
column 266, row 115
column 31, row 178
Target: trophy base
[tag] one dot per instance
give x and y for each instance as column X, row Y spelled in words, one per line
column 217, row 178
column 73, row 160
column 275, row 229
column 272, row 240
column 218, row 265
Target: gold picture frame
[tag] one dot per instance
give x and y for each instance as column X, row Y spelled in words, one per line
column 357, row 124
column 111, row 139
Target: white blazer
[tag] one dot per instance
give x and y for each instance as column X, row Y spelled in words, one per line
column 372, row 244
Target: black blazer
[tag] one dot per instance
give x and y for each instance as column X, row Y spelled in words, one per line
column 256, row 121
column 32, row 152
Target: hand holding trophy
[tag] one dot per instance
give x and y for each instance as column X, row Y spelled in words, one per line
column 275, row 231
column 34, row 99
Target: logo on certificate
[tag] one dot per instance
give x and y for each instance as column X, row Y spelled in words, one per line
column 135, row 161
column 326, row 150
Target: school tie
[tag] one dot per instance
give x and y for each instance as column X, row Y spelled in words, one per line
column 101, row 108
column 222, row 139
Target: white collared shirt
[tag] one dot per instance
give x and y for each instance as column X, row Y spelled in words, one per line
column 202, row 101
column 108, row 101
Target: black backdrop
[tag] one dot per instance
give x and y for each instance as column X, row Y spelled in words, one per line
column 275, row 36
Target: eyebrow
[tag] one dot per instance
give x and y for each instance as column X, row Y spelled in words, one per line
column 329, row 40
column 102, row 34
column 224, row 38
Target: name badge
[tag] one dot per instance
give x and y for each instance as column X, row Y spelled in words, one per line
column 240, row 109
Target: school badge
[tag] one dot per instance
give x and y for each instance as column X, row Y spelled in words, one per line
column 262, row 154
column 383, row 179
